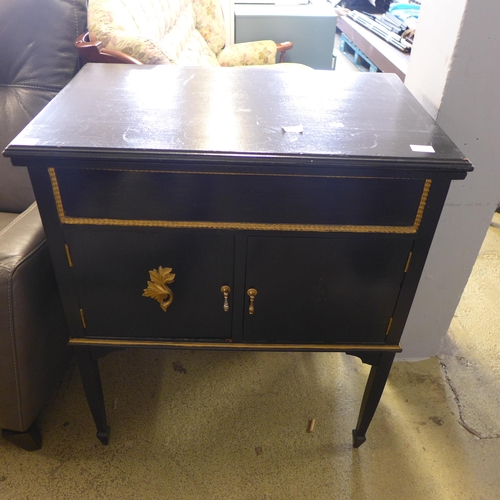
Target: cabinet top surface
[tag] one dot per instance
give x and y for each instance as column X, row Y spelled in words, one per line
column 114, row 111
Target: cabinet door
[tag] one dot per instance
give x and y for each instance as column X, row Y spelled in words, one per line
column 111, row 270
column 325, row 290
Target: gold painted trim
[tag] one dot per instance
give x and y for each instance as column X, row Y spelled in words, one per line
column 233, row 346
column 408, row 262
column 389, row 327
column 82, row 316
column 423, row 202
column 317, row 228
column 68, row 255
column 241, row 226
column 57, row 193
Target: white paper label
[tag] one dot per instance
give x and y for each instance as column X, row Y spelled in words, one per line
column 418, row 148
column 297, row 129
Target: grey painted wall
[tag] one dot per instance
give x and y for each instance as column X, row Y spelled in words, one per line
column 455, row 73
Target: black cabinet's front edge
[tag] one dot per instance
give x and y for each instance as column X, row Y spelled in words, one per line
column 40, row 157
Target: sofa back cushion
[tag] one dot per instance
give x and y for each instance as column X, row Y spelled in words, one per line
column 152, row 31
column 210, row 23
column 37, row 59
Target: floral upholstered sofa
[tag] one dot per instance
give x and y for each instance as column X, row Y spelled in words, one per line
column 181, row 32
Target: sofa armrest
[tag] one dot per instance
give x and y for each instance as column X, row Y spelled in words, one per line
column 21, row 237
column 92, row 50
column 115, row 45
column 282, row 48
column 33, row 328
column 248, row 54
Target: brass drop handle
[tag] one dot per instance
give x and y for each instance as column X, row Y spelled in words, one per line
column 251, row 292
column 225, row 290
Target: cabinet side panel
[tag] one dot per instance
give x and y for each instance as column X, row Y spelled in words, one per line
column 41, row 182
column 430, row 219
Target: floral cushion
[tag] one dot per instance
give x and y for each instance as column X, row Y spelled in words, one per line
column 249, row 53
column 210, row 23
column 182, row 32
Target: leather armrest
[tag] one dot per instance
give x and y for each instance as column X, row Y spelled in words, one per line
column 21, row 237
column 33, row 328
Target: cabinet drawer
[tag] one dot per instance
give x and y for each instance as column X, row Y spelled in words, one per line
column 111, row 269
column 240, row 201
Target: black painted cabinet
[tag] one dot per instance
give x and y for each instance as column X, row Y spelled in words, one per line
column 181, row 212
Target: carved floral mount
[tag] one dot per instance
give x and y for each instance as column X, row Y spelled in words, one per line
column 157, row 288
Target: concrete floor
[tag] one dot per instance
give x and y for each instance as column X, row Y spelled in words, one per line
column 219, row 425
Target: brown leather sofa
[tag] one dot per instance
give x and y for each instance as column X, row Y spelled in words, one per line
column 37, row 59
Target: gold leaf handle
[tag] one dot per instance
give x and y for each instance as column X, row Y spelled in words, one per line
column 251, row 292
column 157, row 288
column 225, row 290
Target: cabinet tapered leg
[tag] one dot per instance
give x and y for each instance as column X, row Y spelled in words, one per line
column 91, row 379
column 371, row 397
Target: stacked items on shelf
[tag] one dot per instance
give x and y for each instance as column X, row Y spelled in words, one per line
column 396, row 24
